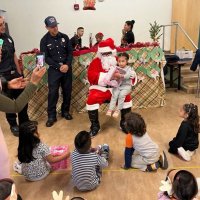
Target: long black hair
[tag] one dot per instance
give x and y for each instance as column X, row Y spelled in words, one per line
column 193, row 116
column 184, row 185
column 130, row 23
column 28, row 140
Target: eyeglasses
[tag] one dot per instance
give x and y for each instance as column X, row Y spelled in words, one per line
column 106, row 54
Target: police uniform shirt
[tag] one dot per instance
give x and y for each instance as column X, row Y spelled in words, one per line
column 57, row 49
column 8, row 49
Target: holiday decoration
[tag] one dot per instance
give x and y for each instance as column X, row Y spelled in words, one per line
column 154, row 31
column 149, row 92
column 133, row 56
column 157, row 54
column 76, row 6
column 89, row 4
column 144, row 55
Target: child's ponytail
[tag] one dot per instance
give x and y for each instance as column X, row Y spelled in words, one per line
column 193, row 116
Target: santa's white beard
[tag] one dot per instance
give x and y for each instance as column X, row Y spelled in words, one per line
column 108, row 61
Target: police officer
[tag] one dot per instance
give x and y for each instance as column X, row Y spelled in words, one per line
column 9, row 69
column 58, row 55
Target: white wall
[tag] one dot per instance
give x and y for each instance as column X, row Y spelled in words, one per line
column 26, row 19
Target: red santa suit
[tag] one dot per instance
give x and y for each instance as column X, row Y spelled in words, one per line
column 98, row 92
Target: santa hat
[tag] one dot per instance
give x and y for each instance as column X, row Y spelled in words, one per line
column 106, row 46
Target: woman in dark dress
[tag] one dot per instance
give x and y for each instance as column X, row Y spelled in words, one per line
column 128, row 35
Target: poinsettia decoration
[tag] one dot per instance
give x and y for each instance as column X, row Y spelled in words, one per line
column 89, row 4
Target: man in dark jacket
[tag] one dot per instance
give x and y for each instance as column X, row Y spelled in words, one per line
column 58, row 55
column 9, row 69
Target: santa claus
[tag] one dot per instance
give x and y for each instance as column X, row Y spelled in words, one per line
column 99, row 92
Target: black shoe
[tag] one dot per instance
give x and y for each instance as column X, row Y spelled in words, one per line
column 34, row 122
column 50, row 122
column 67, row 116
column 15, row 130
column 94, row 129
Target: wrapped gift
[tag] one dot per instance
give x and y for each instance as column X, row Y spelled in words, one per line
column 56, row 151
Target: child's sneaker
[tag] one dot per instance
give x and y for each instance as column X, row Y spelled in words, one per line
column 109, row 113
column 116, row 113
column 163, row 161
column 105, row 151
column 17, row 166
column 151, row 168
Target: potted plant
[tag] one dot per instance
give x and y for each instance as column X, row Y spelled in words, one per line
column 154, row 31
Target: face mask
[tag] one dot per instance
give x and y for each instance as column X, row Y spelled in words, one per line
column 166, row 186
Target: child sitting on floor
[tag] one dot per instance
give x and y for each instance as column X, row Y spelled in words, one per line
column 179, row 184
column 119, row 93
column 186, row 141
column 33, row 154
column 141, row 152
column 87, row 164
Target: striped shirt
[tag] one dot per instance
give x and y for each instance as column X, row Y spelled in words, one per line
column 84, row 170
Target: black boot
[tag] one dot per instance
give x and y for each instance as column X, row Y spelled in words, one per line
column 122, row 121
column 95, row 127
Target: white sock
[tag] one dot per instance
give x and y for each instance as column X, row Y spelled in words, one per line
column 184, row 154
column 191, row 153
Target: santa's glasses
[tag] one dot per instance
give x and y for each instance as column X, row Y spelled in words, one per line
column 106, row 53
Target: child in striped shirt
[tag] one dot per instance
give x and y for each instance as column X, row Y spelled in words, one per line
column 140, row 151
column 87, row 164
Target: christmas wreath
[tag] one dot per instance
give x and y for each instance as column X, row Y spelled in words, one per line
column 157, row 54
column 144, row 55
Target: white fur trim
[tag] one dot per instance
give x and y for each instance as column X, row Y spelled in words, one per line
column 98, row 87
column 136, row 80
column 104, row 49
column 114, row 52
column 101, row 79
column 127, row 104
column 92, row 107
